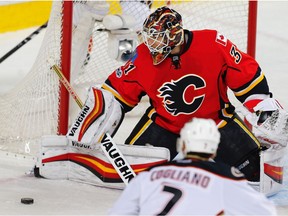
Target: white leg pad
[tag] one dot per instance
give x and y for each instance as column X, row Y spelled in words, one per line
column 53, row 148
column 272, row 169
column 61, row 158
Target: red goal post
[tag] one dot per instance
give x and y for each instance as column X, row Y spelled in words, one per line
column 252, row 28
column 75, row 41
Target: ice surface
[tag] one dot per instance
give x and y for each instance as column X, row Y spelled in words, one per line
column 61, row 197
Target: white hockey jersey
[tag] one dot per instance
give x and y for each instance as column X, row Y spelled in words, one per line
column 187, row 187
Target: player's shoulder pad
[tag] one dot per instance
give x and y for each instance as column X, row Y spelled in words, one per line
column 217, row 168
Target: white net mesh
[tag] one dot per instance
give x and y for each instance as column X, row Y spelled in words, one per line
column 31, row 109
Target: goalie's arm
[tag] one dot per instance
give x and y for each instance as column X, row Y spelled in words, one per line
column 263, row 114
column 126, row 105
column 251, row 88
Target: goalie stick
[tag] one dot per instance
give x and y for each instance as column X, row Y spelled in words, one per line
column 23, row 42
column 108, row 145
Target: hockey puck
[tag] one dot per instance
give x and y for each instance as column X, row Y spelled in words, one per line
column 27, row 200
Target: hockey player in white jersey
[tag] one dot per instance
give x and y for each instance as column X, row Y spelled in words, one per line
column 194, row 185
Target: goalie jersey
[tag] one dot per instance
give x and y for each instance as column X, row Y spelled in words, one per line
column 209, row 64
column 187, row 187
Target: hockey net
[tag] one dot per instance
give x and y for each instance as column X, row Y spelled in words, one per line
column 31, row 109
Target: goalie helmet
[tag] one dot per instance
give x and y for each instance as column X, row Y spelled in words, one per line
column 199, row 135
column 162, row 31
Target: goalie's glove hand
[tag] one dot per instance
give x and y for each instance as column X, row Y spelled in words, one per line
column 261, row 109
column 268, row 120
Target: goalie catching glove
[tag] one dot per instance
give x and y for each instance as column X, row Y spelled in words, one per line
column 267, row 119
column 100, row 114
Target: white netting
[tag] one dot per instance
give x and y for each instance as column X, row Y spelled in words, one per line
column 31, row 109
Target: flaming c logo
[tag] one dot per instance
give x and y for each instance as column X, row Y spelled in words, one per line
column 183, row 96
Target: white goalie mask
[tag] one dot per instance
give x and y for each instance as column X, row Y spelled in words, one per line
column 162, row 31
column 199, row 135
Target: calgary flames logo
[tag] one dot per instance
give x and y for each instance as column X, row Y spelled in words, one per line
column 179, row 97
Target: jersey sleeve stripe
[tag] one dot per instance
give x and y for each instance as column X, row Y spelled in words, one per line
column 255, row 82
column 117, row 95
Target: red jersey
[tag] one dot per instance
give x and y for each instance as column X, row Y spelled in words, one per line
column 209, row 65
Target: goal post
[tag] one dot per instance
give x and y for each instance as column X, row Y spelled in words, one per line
column 65, row 66
column 77, row 42
column 252, row 28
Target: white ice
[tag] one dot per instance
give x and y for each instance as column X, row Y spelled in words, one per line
column 63, row 197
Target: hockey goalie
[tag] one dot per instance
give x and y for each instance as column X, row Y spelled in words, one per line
column 102, row 114
column 161, row 68
column 88, row 153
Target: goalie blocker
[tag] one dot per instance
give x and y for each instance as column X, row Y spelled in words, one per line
column 100, row 114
